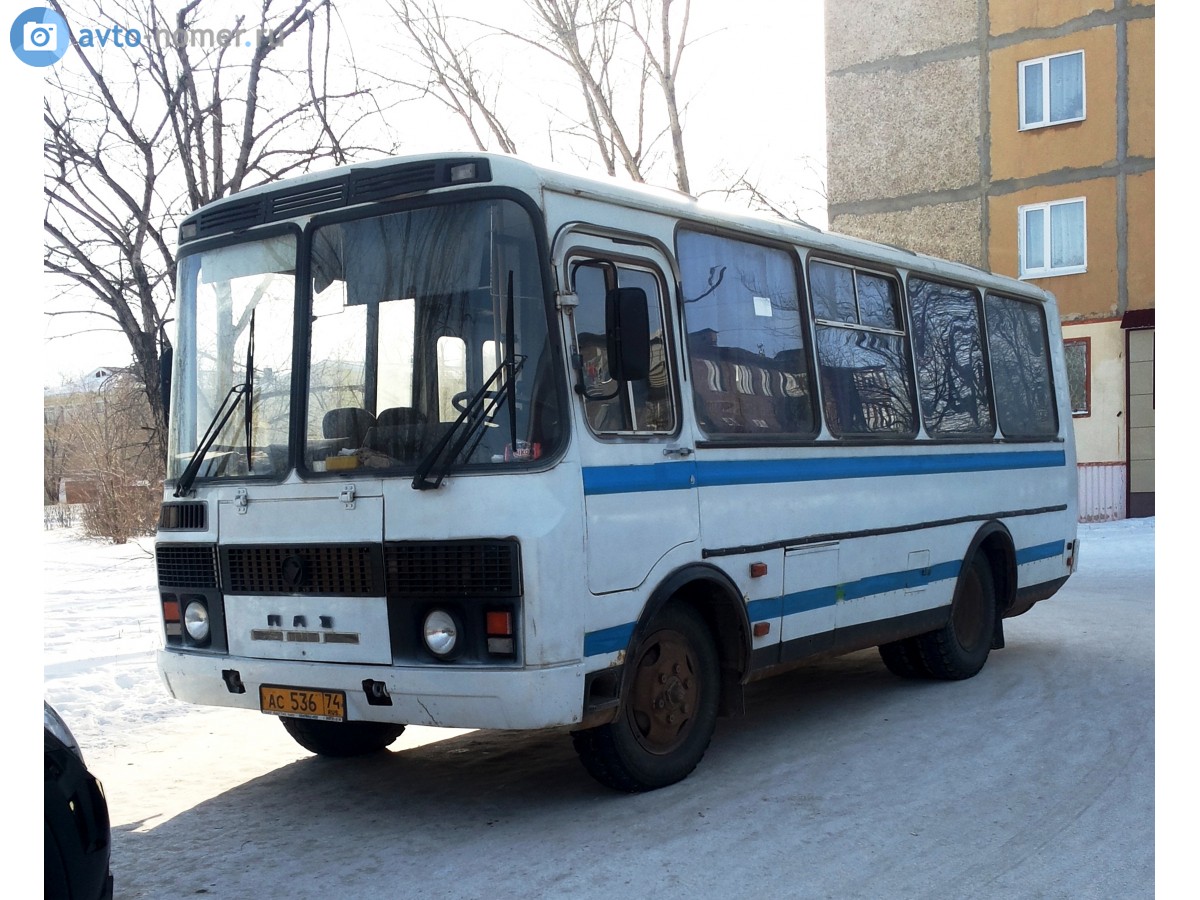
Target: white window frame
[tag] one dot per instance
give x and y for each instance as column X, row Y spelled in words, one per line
column 1044, row 63
column 1048, row 270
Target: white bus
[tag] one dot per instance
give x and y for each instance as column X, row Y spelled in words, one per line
column 461, row 441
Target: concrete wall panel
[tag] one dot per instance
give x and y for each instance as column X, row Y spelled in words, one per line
column 894, row 134
column 866, row 31
column 948, row 230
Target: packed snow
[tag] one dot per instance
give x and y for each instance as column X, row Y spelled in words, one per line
column 830, row 786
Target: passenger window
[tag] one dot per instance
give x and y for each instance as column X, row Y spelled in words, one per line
column 948, row 343
column 746, row 338
column 866, row 378
column 1020, row 357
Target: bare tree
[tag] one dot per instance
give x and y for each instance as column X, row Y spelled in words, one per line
column 450, row 74
column 204, row 104
column 742, row 185
column 101, row 428
column 623, row 55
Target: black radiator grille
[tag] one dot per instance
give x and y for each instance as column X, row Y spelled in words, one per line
column 426, row 569
column 230, row 217
column 308, row 199
column 368, row 185
column 183, row 517
column 333, row 569
column 184, row 566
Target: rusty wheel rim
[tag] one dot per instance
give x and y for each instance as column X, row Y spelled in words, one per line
column 665, row 693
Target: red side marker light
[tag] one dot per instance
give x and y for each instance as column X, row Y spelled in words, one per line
column 758, row 569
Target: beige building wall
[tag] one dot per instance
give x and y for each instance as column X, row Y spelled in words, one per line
column 1140, row 210
column 1141, row 88
column 1100, row 435
column 1007, row 16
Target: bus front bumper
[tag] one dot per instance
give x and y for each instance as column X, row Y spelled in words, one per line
column 475, row 697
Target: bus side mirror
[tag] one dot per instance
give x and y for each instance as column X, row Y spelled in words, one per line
column 627, row 321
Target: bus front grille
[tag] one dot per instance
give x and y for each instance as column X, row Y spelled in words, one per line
column 448, row 569
column 344, row 569
column 187, row 565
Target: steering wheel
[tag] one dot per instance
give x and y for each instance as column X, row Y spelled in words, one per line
column 459, row 401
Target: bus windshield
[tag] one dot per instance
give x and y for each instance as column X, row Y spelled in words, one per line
column 232, row 378
column 416, row 319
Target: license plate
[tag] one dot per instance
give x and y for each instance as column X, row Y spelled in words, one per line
column 303, row 703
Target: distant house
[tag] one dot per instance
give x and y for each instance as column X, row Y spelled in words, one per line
column 70, row 476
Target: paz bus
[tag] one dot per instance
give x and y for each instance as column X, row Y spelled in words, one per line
column 458, row 440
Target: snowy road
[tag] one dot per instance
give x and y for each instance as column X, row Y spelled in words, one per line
column 1034, row 779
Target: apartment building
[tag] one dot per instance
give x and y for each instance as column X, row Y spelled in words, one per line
column 1018, row 136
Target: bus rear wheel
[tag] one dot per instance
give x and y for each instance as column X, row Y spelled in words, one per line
column 669, row 711
column 340, row 739
column 959, row 649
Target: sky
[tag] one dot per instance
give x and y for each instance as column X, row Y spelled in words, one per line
column 751, row 83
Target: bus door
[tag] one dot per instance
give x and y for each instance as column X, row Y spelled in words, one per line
column 638, row 464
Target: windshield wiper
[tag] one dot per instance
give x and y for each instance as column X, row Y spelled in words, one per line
column 224, row 411
column 245, row 389
column 476, row 411
column 480, row 409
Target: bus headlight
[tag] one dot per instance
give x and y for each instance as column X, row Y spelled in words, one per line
column 195, row 620
column 441, row 633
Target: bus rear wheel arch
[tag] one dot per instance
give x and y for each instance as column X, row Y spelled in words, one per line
column 959, row 649
column 668, row 708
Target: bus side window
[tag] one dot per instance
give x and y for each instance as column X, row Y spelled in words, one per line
column 862, row 351
column 642, row 405
column 1021, row 373
column 746, row 338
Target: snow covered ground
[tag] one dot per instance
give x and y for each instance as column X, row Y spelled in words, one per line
column 180, row 778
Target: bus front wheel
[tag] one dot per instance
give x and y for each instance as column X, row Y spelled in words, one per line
column 960, row 648
column 668, row 712
column 341, row 739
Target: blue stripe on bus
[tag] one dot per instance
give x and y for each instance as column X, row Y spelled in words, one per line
column 607, row 640
column 1041, row 551
column 673, row 476
column 611, row 640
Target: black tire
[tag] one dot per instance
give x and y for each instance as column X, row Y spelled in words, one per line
column 668, row 712
column 903, row 658
column 341, row 738
column 959, row 649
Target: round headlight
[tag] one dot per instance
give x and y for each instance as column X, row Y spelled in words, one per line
column 195, row 620
column 441, row 633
